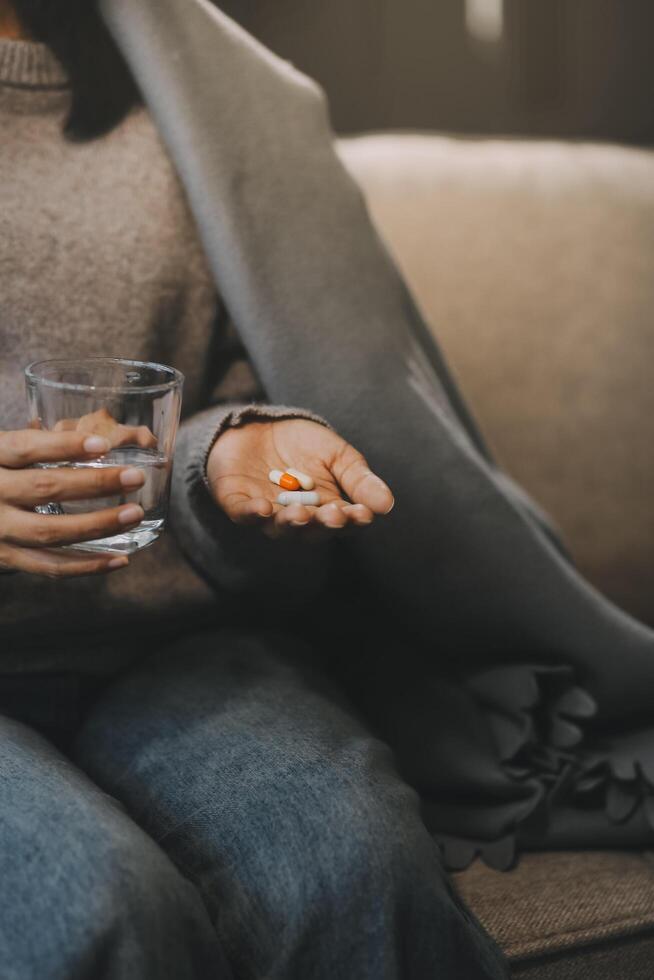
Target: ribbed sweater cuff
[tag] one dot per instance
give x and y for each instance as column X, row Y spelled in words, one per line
column 30, row 64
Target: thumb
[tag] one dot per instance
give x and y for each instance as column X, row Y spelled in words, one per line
column 361, row 484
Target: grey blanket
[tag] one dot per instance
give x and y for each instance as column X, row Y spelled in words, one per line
column 518, row 699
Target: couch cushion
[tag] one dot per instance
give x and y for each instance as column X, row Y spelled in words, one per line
column 587, row 914
column 631, row 958
column 533, row 262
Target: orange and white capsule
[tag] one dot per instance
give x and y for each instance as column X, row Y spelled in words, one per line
column 284, row 480
column 306, row 482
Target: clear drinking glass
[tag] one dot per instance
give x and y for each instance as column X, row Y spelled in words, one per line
column 133, row 404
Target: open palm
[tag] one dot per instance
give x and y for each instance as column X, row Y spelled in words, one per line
column 240, row 461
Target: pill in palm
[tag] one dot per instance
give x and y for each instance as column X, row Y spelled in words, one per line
column 284, row 480
column 306, row 482
column 311, row 499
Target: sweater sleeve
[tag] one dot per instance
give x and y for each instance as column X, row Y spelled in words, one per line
column 236, row 558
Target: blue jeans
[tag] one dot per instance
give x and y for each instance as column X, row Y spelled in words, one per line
column 218, row 813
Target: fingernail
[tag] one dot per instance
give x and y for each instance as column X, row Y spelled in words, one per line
column 96, row 444
column 391, row 507
column 130, row 514
column 118, row 563
column 299, row 523
column 132, row 477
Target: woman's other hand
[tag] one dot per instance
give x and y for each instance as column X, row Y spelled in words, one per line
column 29, row 541
column 240, row 462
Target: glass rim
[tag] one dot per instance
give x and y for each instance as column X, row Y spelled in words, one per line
column 177, row 379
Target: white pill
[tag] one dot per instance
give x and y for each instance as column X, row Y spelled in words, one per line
column 305, row 481
column 298, row 497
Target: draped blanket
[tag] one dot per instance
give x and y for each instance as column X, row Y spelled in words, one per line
column 531, row 720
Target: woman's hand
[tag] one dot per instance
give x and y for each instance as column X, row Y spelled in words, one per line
column 102, row 423
column 26, row 538
column 240, row 461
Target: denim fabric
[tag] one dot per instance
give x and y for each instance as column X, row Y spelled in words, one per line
column 84, row 893
column 236, row 810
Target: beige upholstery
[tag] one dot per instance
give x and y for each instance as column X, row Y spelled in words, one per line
column 554, row 905
column 534, row 262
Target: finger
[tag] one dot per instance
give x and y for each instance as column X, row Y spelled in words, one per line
column 102, row 423
column 128, row 435
column 242, row 509
column 145, row 438
column 28, row 530
column 358, row 514
column 273, row 530
column 331, row 515
column 297, row 515
column 308, row 532
column 25, row 447
column 360, row 484
column 60, row 564
column 29, row 488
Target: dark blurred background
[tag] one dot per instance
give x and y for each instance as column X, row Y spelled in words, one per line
column 533, row 67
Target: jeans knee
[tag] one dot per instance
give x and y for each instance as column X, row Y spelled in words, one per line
column 91, row 896
column 349, row 829
column 141, row 917
column 371, row 838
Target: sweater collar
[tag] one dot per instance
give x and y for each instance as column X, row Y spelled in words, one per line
column 30, row 64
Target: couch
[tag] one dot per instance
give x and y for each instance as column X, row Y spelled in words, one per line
column 534, row 263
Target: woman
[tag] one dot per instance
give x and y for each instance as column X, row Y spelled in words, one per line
column 255, row 827
column 503, row 650
column 497, row 674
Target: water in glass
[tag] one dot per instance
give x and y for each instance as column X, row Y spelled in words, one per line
column 152, row 497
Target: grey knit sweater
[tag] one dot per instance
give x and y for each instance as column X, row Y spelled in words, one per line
column 99, row 255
